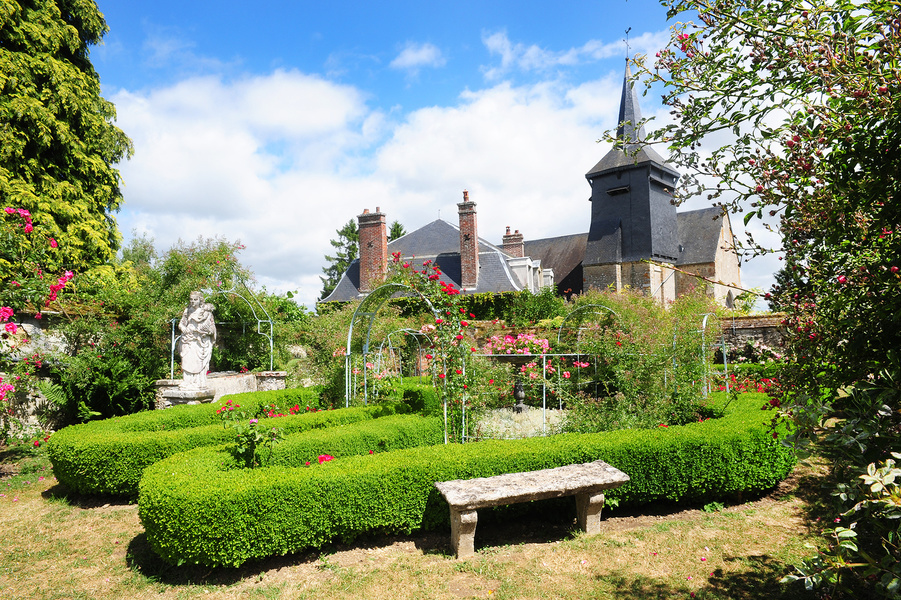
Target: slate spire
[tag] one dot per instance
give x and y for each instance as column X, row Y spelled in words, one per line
column 630, row 129
column 632, row 133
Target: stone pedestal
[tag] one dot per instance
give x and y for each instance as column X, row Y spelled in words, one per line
column 588, row 512
column 463, row 531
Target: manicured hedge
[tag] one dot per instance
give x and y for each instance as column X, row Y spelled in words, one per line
column 109, row 456
column 197, row 510
column 378, row 435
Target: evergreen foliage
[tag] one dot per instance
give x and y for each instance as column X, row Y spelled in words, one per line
column 108, row 456
column 58, row 141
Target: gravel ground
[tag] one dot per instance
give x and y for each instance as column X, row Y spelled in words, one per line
column 506, row 424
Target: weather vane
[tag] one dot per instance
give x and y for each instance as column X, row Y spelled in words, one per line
column 627, row 42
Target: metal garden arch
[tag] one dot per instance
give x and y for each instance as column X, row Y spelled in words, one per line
column 366, row 313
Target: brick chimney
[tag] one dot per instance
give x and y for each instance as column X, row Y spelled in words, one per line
column 469, row 244
column 373, row 249
column 513, row 244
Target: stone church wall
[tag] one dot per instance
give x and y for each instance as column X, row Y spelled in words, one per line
column 640, row 276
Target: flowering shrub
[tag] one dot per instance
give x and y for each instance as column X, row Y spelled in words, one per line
column 447, row 360
column 650, row 362
column 523, row 343
column 249, row 435
column 815, row 156
column 24, row 286
column 752, row 351
column 746, row 384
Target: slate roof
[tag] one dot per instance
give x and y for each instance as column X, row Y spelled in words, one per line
column 438, row 241
column 562, row 254
column 699, row 235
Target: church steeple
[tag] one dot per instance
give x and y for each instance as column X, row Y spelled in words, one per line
column 630, row 131
column 632, row 214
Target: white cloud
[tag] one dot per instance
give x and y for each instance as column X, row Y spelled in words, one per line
column 522, row 152
column 415, row 56
column 532, row 58
column 162, row 49
column 283, row 160
column 168, row 48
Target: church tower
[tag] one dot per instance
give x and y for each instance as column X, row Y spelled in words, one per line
column 633, row 218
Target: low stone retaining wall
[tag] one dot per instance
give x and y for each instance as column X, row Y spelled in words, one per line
column 766, row 329
column 220, row 384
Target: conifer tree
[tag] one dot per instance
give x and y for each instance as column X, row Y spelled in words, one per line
column 58, row 140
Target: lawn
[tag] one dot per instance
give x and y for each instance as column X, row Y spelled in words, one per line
column 60, row 545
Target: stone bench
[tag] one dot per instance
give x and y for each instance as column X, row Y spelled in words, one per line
column 586, row 482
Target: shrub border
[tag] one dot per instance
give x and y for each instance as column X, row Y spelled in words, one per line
column 109, row 456
column 196, row 510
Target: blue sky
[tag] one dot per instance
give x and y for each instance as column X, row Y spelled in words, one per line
column 276, row 122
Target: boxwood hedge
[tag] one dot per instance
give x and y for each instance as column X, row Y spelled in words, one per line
column 109, row 456
column 197, row 509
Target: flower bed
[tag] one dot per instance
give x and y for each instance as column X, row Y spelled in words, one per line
column 196, row 509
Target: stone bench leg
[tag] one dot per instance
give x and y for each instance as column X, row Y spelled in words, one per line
column 588, row 512
column 463, row 531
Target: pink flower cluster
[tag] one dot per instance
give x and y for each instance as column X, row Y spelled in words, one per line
column 4, row 388
column 6, row 314
column 26, row 216
column 524, row 343
column 229, row 407
column 58, row 286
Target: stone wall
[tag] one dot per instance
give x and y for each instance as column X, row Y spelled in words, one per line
column 222, row 384
column 648, row 278
column 762, row 328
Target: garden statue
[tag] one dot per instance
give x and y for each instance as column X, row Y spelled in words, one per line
column 198, row 334
column 519, row 393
